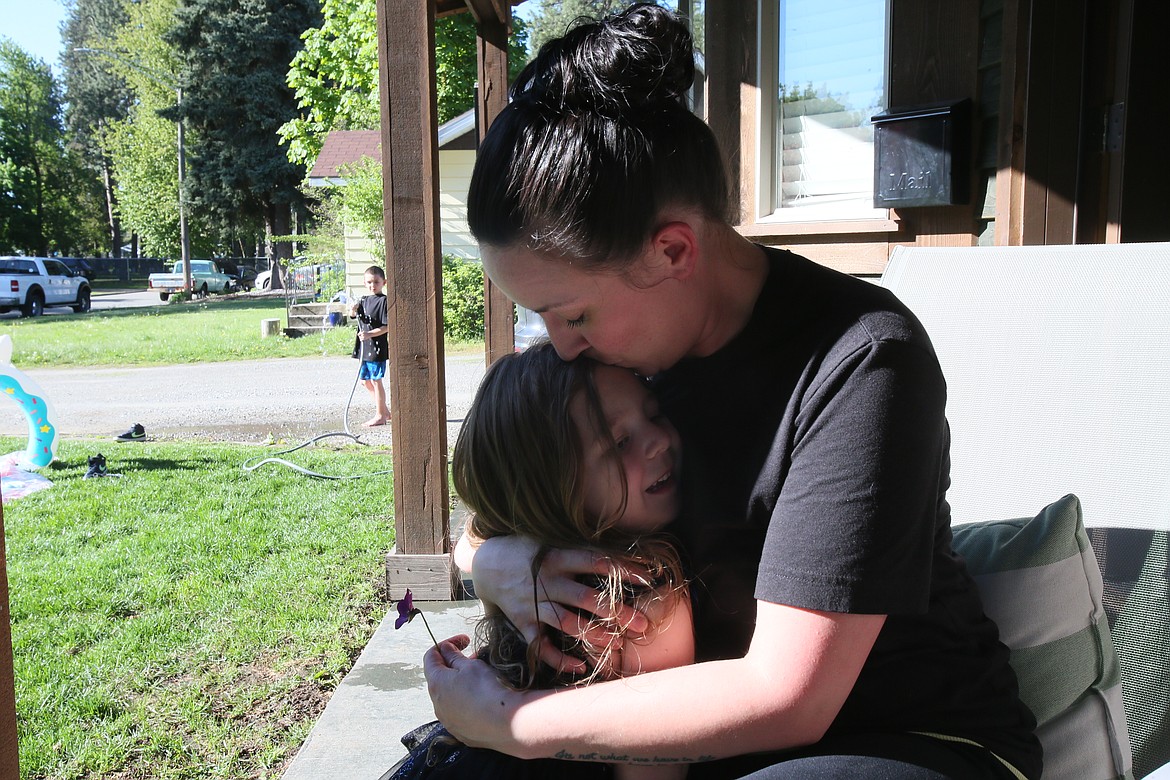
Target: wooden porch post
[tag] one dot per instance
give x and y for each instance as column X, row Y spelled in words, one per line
column 492, row 57
column 406, row 46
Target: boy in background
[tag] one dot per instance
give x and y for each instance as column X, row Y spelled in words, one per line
column 373, row 346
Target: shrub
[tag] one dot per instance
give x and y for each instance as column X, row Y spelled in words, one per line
column 462, row 299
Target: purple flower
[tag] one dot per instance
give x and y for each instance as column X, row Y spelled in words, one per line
column 407, row 612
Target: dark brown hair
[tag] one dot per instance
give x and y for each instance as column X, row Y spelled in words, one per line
column 596, row 141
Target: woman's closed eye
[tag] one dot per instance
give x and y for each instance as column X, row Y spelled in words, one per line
column 576, row 323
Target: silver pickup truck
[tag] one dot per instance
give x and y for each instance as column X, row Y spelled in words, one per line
column 32, row 283
column 205, row 277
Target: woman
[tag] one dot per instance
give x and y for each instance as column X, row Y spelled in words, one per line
column 837, row 634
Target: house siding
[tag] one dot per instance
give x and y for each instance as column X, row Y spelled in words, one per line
column 454, row 179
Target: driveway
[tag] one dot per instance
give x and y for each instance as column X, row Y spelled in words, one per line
column 285, row 400
column 124, row 299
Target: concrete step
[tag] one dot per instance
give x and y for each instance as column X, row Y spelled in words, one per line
column 383, row 697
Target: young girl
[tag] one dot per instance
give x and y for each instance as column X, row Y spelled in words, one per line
column 575, row 455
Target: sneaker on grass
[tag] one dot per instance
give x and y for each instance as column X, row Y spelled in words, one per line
column 97, row 467
column 136, row 433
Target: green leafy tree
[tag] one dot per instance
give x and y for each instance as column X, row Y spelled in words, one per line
column 95, row 96
column 143, row 147
column 40, row 208
column 236, row 54
column 553, row 17
column 335, row 76
column 361, row 201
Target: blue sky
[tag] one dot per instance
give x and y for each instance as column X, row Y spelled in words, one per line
column 35, row 26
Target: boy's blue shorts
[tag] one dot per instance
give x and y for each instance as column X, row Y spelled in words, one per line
column 372, row 369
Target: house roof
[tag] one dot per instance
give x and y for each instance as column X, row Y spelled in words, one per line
column 345, row 147
column 341, row 148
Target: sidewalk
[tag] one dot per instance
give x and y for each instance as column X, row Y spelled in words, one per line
column 383, row 697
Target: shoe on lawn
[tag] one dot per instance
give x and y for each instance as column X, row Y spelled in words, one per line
column 136, row 433
column 97, row 467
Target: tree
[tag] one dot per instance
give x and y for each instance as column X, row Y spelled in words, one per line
column 335, row 76
column 236, row 54
column 143, row 147
column 95, row 96
column 553, row 17
column 39, row 175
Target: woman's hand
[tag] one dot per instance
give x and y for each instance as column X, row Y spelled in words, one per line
column 502, row 571
column 469, row 698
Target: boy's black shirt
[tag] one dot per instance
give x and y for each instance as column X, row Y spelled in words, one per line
column 371, row 315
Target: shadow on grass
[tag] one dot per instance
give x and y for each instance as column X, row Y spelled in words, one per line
column 117, row 461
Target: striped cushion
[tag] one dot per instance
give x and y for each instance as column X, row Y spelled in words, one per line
column 1040, row 583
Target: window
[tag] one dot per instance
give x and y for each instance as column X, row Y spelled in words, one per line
column 823, row 75
column 56, row 268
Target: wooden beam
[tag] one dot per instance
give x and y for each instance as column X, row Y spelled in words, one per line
column 1009, row 176
column 1041, row 120
column 9, row 759
column 492, row 96
column 482, row 10
column 934, row 58
column 731, row 59
column 410, row 168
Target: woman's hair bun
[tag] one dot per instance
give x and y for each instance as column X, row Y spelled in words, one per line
column 635, row 60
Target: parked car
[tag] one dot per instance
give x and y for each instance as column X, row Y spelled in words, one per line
column 243, row 278
column 80, row 266
column 32, row 283
column 205, row 277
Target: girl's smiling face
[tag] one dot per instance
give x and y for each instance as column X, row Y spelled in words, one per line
column 645, row 446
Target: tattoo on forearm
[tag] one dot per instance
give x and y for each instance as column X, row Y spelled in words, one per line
column 625, row 758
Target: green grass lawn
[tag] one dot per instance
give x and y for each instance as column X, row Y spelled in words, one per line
column 188, row 619
column 206, row 331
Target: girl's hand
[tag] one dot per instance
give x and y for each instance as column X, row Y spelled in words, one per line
column 502, row 572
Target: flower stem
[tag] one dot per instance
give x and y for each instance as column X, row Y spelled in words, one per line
column 428, row 625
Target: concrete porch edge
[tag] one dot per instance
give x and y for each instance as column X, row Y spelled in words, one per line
column 381, row 698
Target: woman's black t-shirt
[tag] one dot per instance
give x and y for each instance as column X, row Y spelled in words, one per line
column 815, row 476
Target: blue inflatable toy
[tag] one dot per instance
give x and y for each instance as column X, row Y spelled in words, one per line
column 42, row 430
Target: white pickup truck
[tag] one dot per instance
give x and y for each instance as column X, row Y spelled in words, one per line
column 205, row 277
column 32, row 283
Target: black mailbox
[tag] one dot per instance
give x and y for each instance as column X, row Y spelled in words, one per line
column 920, row 156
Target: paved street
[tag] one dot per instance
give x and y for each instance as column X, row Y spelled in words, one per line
column 290, row 400
column 287, row 400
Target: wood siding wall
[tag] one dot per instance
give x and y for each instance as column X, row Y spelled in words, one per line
column 1062, row 149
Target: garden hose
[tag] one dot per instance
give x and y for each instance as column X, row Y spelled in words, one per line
column 249, row 466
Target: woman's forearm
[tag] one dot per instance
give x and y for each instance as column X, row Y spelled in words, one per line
column 784, row 693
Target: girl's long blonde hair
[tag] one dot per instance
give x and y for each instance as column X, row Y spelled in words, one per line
column 517, row 465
